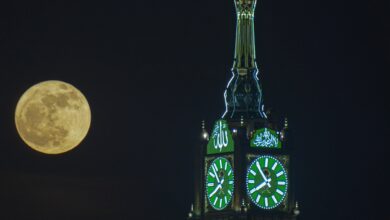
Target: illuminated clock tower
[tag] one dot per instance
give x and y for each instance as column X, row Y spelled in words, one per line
column 243, row 167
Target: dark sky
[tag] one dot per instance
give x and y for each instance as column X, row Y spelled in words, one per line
column 152, row 70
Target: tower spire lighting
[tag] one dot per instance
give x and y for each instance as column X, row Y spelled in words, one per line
column 242, row 167
column 243, row 95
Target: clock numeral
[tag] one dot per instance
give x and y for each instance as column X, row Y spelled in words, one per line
column 231, row 182
column 251, row 181
column 274, row 166
column 211, row 174
column 215, row 167
column 220, row 203
column 252, row 172
column 226, row 165
column 210, row 184
column 279, row 192
column 266, row 201
column 266, row 162
column 230, row 192
column 258, row 198
column 215, row 201
column 220, row 164
column 273, row 198
column 281, row 183
column 226, row 200
column 279, row 174
column 230, row 172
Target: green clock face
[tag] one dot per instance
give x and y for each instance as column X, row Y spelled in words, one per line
column 266, row 182
column 219, row 183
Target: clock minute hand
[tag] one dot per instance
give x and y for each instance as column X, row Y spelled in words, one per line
column 261, row 171
column 215, row 190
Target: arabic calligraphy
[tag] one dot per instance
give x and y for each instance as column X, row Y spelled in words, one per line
column 220, row 136
column 266, row 139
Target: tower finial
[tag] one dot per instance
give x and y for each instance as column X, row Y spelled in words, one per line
column 243, row 95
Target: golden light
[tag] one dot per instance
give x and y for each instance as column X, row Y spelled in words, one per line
column 52, row 117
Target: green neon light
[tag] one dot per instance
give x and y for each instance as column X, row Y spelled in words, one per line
column 219, row 183
column 221, row 140
column 266, row 138
column 266, row 182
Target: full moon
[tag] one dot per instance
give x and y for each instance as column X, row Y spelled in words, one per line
column 52, row 117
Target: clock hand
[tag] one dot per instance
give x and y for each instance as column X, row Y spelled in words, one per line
column 215, row 190
column 261, row 171
column 258, row 187
column 223, row 180
column 215, row 173
column 261, row 186
column 269, row 185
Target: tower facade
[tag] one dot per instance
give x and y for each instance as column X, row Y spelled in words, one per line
column 242, row 167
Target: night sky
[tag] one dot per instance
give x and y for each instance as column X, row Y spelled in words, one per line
column 152, row 70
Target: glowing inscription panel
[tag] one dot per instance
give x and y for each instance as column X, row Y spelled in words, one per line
column 266, row 138
column 266, row 182
column 221, row 140
column 219, row 183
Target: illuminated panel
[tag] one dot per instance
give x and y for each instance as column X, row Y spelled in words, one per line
column 266, row 138
column 221, row 140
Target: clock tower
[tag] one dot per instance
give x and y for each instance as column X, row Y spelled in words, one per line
column 243, row 166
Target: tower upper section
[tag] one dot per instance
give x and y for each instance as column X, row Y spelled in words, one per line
column 243, row 95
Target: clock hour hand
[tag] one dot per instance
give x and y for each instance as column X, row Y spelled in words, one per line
column 215, row 173
column 219, row 186
column 215, row 190
column 261, row 185
column 258, row 187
